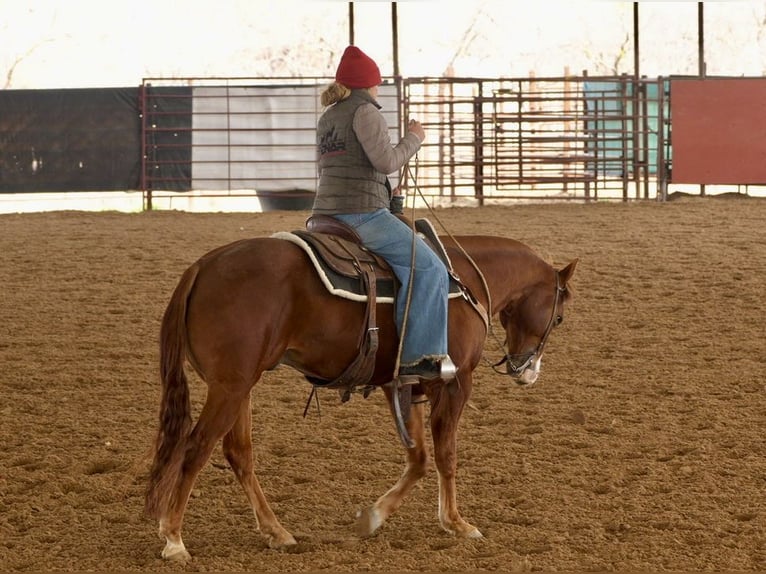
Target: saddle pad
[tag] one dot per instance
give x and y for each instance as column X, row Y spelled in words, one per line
column 342, row 285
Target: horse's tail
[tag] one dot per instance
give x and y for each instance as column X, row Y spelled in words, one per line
column 175, row 405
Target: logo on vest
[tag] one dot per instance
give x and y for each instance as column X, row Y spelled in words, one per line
column 331, row 143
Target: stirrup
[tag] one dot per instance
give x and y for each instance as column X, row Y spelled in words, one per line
column 414, row 373
column 448, row 369
column 401, row 402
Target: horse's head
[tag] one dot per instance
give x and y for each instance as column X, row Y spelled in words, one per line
column 528, row 321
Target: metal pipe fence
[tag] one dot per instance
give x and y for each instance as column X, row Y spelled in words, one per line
column 560, row 138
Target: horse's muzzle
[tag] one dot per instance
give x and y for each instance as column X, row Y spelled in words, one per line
column 527, row 375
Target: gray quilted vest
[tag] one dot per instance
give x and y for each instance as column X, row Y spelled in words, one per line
column 348, row 183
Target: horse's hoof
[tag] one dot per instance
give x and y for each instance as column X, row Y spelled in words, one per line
column 176, row 553
column 283, row 540
column 464, row 530
column 473, row 533
column 368, row 521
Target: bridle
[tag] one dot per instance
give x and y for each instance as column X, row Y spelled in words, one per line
column 515, row 368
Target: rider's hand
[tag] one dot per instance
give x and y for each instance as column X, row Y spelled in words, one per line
column 416, row 128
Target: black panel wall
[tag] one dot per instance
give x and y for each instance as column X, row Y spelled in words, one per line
column 69, row 140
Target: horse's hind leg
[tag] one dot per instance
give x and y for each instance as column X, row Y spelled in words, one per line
column 215, row 420
column 238, row 450
column 370, row 519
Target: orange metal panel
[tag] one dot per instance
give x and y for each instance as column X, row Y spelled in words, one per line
column 718, row 130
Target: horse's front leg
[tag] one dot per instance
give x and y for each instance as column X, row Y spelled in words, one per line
column 238, row 450
column 370, row 519
column 445, row 415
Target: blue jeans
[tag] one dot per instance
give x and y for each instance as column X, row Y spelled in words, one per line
column 388, row 236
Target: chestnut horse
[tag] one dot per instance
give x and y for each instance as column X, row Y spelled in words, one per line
column 249, row 306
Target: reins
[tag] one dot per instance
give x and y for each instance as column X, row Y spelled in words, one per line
column 487, row 315
column 507, row 358
column 408, row 300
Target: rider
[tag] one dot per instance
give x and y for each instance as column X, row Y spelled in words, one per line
column 355, row 154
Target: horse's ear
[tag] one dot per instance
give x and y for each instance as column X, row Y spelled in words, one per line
column 566, row 273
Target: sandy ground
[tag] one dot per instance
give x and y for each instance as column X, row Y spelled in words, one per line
column 641, row 447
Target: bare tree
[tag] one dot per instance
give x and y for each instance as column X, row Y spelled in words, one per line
column 26, row 54
column 20, row 58
column 612, row 63
column 469, row 35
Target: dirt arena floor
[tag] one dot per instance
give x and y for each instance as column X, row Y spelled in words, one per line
column 641, row 447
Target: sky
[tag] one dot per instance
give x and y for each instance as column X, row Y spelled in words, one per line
column 114, row 43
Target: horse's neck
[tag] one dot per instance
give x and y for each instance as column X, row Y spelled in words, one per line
column 507, row 266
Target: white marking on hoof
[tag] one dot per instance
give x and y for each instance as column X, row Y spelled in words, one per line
column 474, row 534
column 467, row 531
column 176, row 552
column 368, row 521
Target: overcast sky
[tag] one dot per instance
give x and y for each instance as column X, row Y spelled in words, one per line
column 92, row 43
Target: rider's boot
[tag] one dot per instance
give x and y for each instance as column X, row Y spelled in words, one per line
column 428, row 369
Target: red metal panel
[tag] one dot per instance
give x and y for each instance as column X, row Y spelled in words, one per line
column 718, row 130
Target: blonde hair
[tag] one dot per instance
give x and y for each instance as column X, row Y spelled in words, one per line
column 334, row 93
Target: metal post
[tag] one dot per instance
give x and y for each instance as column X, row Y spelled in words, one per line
column 645, row 129
column 636, row 59
column 478, row 146
column 147, row 193
column 701, row 53
column 395, row 38
column 624, row 97
column 662, row 174
column 637, row 161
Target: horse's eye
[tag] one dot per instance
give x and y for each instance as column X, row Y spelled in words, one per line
column 559, row 320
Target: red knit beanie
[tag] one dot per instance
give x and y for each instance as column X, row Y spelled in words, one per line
column 357, row 70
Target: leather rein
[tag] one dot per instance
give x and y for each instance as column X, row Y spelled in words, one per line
column 486, row 314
